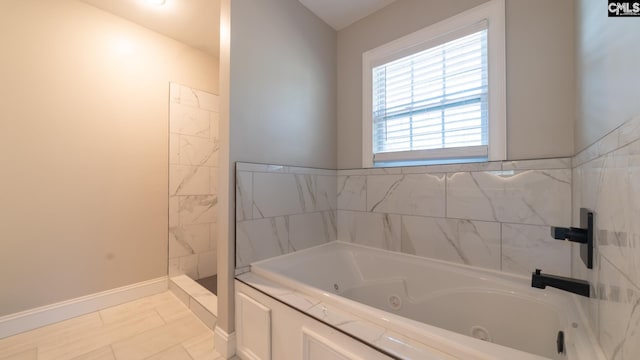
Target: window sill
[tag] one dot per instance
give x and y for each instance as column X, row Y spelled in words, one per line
column 429, row 162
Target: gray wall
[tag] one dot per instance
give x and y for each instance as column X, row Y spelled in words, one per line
column 283, row 80
column 540, row 76
column 83, row 147
column 607, row 56
column 278, row 74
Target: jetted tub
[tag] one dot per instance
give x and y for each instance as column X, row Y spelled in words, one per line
column 467, row 312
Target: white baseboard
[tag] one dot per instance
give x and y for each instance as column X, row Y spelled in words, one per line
column 225, row 343
column 34, row 318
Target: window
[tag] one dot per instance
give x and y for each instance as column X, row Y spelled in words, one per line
column 438, row 95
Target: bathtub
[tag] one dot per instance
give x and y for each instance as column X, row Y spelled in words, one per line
column 466, row 312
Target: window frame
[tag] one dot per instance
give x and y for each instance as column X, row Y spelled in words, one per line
column 493, row 12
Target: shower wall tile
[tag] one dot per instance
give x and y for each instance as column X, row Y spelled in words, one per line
column 193, row 176
column 189, row 239
column 184, row 95
column 197, row 151
column 207, row 264
column 414, row 194
column 371, row 229
column 188, row 265
column 174, row 213
column 197, row 209
column 189, row 180
column 187, row 120
column 467, row 242
column 529, row 247
column 174, row 149
column 538, row 197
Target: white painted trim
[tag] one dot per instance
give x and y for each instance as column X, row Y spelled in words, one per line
column 493, row 12
column 45, row 315
column 452, row 153
column 367, row 106
column 309, row 336
column 225, row 344
column 496, row 39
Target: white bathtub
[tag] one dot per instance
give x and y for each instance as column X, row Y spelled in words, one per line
column 444, row 306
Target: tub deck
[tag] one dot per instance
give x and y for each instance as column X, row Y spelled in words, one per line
column 402, row 304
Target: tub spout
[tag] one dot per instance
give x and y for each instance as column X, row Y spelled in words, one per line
column 576, row 286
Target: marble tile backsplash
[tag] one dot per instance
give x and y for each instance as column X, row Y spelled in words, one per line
column 607, row 181
column 281, row 209
column 193, row 161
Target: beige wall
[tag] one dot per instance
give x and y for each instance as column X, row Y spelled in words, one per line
column 283, row 80
column 540, row 76
column 83, row 148
column 607, row 56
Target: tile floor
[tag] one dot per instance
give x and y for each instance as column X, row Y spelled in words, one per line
column 158, row 327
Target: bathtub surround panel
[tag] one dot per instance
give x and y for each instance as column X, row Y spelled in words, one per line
column 382, row 231
column 282, row 194
column 527, row 247
column 494, row 215
column 618, row 314
column 193, row 161
column 261, row 239
column 352, row 192
column 540, row 197
column 607, row 181
column 282, row 209
column 467, row 242
column 413, row 194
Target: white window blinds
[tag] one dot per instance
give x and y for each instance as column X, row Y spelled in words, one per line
column 433, row 104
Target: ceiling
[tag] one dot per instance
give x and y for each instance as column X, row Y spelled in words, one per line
column 342, row 13
column 197, row 22
column 193, row 22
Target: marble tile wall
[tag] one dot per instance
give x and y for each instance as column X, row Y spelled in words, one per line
column 281, row 209
column 494, row 215
column 193, row 167
column 606, row 179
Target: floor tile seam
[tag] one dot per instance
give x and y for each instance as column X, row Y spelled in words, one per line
column 169, row 348
column 195, row 337
column 167, row 324
column 164, row 321
column 115, row 324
